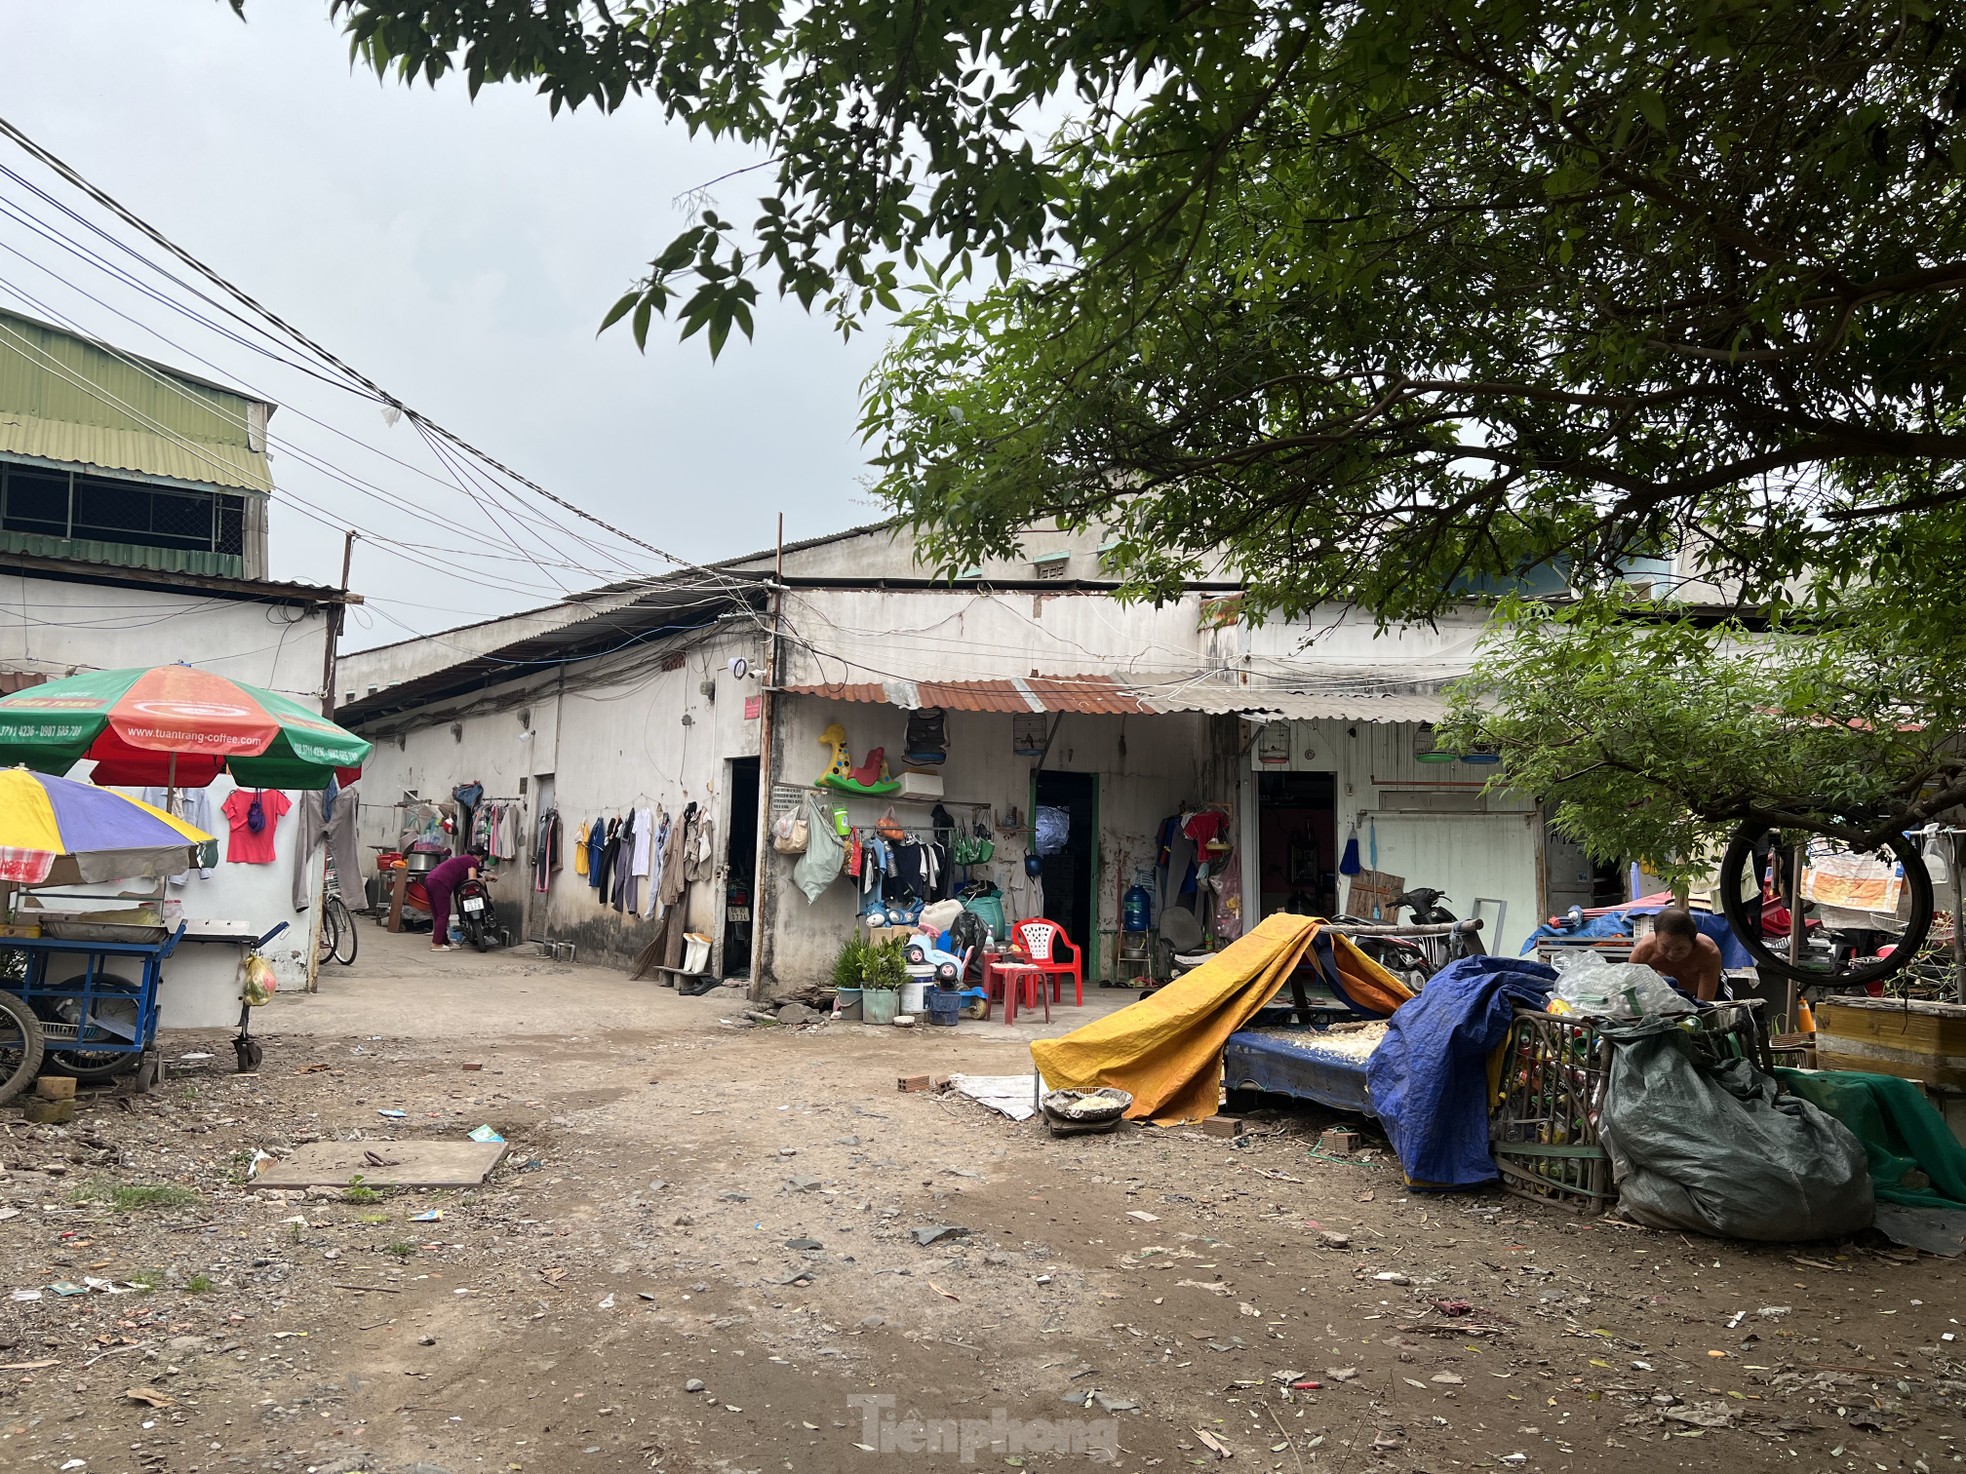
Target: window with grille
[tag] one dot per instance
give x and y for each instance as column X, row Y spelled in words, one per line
column 69, row 504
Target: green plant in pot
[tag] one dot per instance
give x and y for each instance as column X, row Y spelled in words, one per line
column 883, row 970
column 847, row 966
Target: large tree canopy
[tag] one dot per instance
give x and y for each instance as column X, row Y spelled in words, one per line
column 1367, row 297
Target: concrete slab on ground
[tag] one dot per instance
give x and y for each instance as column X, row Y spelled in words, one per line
column 385, row 1164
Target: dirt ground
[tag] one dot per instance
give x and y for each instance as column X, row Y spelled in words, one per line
column 701, row 1254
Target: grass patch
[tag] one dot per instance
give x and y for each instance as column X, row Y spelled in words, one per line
column 135, row 1197
column 373, row 1218
column 402, row 1249
column 198, row 1284
column 359, row 1191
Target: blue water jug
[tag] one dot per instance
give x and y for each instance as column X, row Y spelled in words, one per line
column 1137, row 909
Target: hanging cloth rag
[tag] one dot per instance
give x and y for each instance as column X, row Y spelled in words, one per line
column 581, row 858
column 701, row 861
column 675, row 879
column 337, row 830
column 638, row 864
column 658, row 849
column 1349, row 865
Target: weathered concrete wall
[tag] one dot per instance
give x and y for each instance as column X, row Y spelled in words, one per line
column 602, row 738
column 52, row 626
column 1434, row 824
column 1146, row 767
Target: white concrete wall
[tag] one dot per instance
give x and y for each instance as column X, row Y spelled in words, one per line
column 612, row 735
column 1493, row 852
column 53, row 627
column 869, row 635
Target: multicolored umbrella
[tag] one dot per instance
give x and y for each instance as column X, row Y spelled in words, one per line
column 174, row 725
column 57, row 830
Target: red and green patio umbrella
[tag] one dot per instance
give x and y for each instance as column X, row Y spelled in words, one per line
column 174, row 725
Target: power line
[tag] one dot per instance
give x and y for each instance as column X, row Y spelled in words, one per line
column 211, row 275
column 318, row 462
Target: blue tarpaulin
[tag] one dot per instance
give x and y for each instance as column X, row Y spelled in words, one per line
column 1429, row 1076
column 1619, row 924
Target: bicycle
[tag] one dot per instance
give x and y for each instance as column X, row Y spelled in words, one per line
column 338, row 940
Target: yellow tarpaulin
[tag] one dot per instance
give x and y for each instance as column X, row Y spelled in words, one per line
column 1166, row 1050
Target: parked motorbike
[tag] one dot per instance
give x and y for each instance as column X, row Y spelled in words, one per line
column 478, row 917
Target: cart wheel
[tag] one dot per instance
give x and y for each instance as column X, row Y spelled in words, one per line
column 149, row 1074
column 249, row 1052
column 20, row 1046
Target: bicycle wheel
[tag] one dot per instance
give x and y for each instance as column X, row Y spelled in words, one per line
column 20, row 1046
column 345, row 940
column 1824, row 961
column 325, row 938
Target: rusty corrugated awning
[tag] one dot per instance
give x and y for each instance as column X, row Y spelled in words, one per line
column 1361, row 701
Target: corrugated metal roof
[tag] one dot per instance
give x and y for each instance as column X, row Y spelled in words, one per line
column 1146, row 696
column 1308, row 705
column 1091, row 694
column 64, row 398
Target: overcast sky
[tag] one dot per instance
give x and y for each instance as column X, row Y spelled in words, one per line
column 460, row 253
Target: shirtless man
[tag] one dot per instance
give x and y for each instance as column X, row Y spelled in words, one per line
column 1677, row 950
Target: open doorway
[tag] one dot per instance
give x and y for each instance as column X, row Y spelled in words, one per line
column 740, row 859
column 1298, row 858
column 1071, row 873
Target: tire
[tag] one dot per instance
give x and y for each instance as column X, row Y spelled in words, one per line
column 477, row 936
column 20, row 1046
column 247, row 1053
column 345, row 940
column 93, row 1066
column 330, row 932
column 1747, row 928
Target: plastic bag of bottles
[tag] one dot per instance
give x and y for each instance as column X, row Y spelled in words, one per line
column 1625, row 990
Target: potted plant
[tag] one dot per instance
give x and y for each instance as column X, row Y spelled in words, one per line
column 846, row 975
column 883, row 970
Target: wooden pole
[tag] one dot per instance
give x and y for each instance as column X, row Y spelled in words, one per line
column 336, row 614
column 761, row 906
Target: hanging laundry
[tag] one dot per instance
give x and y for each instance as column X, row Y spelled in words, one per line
column 581, row 857
column 546, row 851
column 254, row 815
column 675, row 879
column 624, row 863
column 702, row 861
column 329, row 817
column 603, row 870
column 194, row 806
column 658, row 843
column 597, row 841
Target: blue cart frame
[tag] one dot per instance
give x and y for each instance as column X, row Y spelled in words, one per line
column 70, row 1012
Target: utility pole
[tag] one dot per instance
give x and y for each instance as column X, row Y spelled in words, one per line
column 337, row 613
column 761, row 906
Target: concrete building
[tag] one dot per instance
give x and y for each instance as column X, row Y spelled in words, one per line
column 1055, row 696
column 133, row 532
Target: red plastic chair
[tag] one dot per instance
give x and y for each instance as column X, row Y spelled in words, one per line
column 1043, row 941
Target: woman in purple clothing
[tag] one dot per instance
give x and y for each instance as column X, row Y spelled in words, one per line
column 438, row 885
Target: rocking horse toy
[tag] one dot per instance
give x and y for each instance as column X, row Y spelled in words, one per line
column 871, row 777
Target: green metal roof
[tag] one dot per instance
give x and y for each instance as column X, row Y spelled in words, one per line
column 70, row 399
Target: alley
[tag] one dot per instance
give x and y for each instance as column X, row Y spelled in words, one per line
column 702, row 1253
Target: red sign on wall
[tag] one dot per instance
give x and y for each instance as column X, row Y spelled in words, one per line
column 754, row 707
